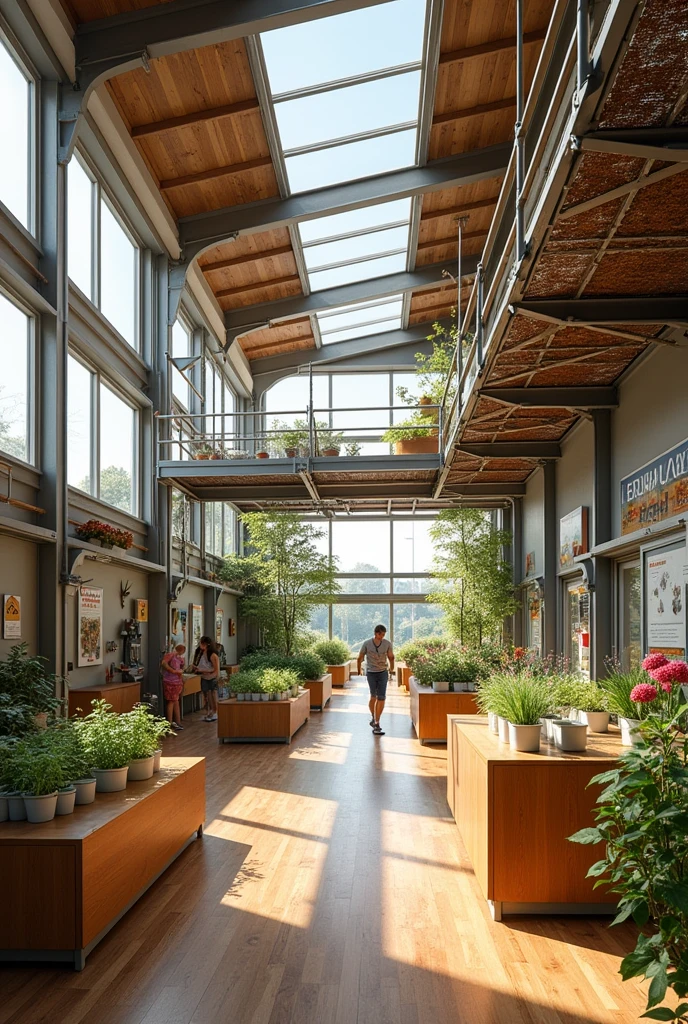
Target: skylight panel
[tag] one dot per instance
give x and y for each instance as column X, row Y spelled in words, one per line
column 345, row 322
column 347, row 44
column 354, row 160
column 368, row 107
column 351, row 272
column 381, row 327
column 356, row 220
column 356, row 248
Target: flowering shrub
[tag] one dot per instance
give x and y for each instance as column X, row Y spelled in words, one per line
column 672, row 672
column 644, row 693
column 95, row 530
column 654, row 661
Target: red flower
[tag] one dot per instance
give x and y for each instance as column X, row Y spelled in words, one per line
column 519, row 653
column 670, row 672
column 643, row 693
column 654, row 661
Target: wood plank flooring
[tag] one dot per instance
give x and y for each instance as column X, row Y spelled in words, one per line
column 331, row 887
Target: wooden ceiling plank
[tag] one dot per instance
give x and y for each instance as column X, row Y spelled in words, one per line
column 215, row 172
column 462, row 208
column 255, row 286
column 249, row 257
column 195, row 117
column 481, row 108
column 495, row 46
column 453, row 240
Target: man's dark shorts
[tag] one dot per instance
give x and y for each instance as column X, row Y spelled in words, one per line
column 377, row 681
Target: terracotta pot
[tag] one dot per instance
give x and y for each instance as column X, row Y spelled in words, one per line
column 215, row 456
column 262, row 455
column 330, row 451
column 291, row 453
column 201, row 455
column 417, row 446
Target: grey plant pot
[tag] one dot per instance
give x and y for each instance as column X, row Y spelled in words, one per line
column 525, row 738
column 66, row 798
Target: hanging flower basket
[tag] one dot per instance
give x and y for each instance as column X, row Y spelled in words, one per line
column 107, row 536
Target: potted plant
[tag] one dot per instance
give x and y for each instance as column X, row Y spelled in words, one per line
column 333, row 652
column 569, row 735
column 418, row 435
column 618, row 686
column 263, row 454
column 143, row 742
column 291, row 439
column 106, row 738
column 525, row 699
column 107, row 536
column 159, row 728
column 10, row 798
column 592, row 707
column 37, row 772
column 329, row 441
column 202, row 450
column 353, row 448
column 27, row 692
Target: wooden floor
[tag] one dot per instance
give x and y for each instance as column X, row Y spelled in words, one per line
column 330, row 887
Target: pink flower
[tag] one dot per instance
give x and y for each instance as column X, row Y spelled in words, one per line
column 654, row 661
column 643, row 693
column 670, row 672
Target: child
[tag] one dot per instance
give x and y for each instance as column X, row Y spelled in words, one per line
column 173, row 683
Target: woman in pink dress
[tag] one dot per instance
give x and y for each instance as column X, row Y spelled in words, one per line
column 173, row 683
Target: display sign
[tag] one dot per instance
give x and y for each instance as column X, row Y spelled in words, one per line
column 219, row 616
column 196, row 613
column 90, row 626
column 11, row 617
column 141, row 610
column 573, row 536
column 178, row 630
column 656, row 491
column 665, row 613
column 530, row 563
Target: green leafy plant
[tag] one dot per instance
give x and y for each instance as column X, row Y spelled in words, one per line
column 106, row 737
column 291, row 437
column 16, row 719
column 617, row 686
column 72, row 752
column 451, row 665
column 414, row 651
column 142, row 732
column 332, row 652
column 35, row 767
column 642, row 819
column 278, row 680
column 591, row 697
column 244, row 681
column 23, row 678
column 524, row 700
column 353, row 448
column 306, row 666
column 327, row 438
column 417, row 425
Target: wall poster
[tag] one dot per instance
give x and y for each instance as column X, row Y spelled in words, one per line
column 656, row 491
column 178, row 627
column 196, row 616
column 573, row 536
column 90, row 626
column 530, row 563
column 11, row 617
column 665, row 611
column 219, row 616
column 141, row 610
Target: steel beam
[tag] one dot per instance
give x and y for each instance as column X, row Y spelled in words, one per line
column 256, row 468
column 451, row 490
column 597, row 144
column 205, row 230
column 237, row 321
column 555, row 398
column 631, row 309
column 513, row 449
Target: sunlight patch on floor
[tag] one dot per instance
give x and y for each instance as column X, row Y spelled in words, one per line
column 330, row 748
column 269, row 808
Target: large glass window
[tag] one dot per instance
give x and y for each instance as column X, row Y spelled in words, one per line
column 181, row 348
column 16, row 381
column 414, row 620
column 630, row 645
column 354, row 623
column 102, row 258
column 355, row 541
column 219, row 528
column 17, row 165
column 102, row 440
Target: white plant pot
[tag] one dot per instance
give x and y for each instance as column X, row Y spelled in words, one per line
column 440, row 687
column 255, row 696
column 85, row 791
column 493, row 722
column 284, row 695
column 156, row 759
column 16, row 808
column 596, row 721
column 630, row 737
column 295, row 691
column 546, row 727
column 141, row 768
column 40, row 808
column 503, row 729
column 111, row 780
column 240, row 696
column 264, row 696
column 574, row 715
column 568, row 735
column 525, row 737
column 66, row 799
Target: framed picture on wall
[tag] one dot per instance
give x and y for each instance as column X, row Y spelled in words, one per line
column 90, row 626
column 178, row 626
column 664, row 593
column 573, row 536
column 141, row 609
column 11, row 617
column 219, row 617
column 196, row 615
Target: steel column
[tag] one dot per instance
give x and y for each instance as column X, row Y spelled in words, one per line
column 550, row 538
column 602, row 606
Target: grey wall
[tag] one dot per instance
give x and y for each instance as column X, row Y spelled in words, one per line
column 652, row 416
column 228, row 603
column 574, row 470
column 109, row 577
column 534, row 522
column 19, row 575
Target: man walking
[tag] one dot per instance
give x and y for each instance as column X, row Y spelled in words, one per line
column 377, row 652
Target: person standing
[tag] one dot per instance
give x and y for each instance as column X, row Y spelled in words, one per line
column 207, row 664
column 173, row 684
column 377, row 653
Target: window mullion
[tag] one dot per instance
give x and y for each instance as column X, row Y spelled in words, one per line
column 95, row 435
column 95, row 244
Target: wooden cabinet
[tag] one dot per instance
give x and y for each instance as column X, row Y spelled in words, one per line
column 429, row 710
column 320, row 691
column 122, row 696
column 269, row 721
column 74, row 877
column 515, row 811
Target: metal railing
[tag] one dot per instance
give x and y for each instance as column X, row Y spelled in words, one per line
column 293, row 433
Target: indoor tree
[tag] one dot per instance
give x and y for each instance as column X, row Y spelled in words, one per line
column 475, row 582
column 283, row 576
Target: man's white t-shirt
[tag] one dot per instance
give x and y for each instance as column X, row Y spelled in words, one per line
column 376, row 655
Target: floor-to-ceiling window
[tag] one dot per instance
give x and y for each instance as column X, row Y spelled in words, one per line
column 17, row 381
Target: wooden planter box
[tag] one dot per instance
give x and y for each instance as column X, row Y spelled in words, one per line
column 417, row 446
column 269, row 721
column 74, row 877
column 429, row 710
column 122, row 696
column 320, row 691
column 514, row 812
column 403, row 676
column 340, row 673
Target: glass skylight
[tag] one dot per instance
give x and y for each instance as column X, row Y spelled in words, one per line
column 361, row 319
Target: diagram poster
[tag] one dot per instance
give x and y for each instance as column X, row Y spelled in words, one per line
column 196, row 611
column 219, row 616
column 11, row 617
column 664, row 601
column 178, row 627
column 90, row 626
